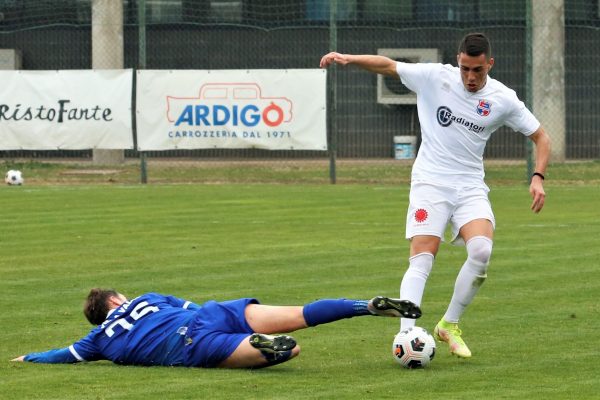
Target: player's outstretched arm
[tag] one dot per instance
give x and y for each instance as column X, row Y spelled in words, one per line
column 55, row 356
column 542, row 156
column 372, row 63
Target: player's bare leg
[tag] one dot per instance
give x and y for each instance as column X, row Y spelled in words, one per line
column 264, row 353
column 266, row 320
column 275, row 319
column 261, row 349
column 424, row 244
column 477, row 227
column 281, row 319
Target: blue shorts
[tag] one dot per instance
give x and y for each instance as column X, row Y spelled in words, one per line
column 216, row 331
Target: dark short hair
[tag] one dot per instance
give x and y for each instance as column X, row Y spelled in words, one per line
column 475, row 44
column 96, row 305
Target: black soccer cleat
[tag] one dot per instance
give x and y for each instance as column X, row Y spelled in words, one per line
column 272, row 344
column 388, row 307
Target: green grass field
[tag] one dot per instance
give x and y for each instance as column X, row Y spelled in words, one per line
column 532, row 328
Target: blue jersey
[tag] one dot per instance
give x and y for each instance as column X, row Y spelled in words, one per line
column 148, row 330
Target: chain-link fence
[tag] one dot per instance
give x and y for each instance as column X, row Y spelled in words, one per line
column 365, row 113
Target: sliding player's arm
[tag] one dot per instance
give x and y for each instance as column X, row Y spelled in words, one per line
column 54, row 356
column 83, row 350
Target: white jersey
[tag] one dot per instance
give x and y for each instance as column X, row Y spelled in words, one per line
column 456, row 124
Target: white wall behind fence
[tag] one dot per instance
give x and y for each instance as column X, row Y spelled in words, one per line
column 66, row 109
column 199, row 109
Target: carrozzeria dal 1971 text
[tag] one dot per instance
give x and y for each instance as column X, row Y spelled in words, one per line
column 229, row 134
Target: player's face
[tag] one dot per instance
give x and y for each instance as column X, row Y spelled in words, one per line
column 474, row 70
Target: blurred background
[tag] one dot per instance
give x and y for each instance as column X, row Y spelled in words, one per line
column 546, row 50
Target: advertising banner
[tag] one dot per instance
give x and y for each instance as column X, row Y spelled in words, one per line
column 201, row 109
column 67, row 109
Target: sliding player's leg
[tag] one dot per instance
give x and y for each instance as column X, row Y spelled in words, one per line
column 279, row 319
column 268, row 346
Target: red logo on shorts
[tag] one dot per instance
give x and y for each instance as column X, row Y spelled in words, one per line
column 420, row 215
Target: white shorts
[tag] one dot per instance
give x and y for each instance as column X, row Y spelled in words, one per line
column 432, row 207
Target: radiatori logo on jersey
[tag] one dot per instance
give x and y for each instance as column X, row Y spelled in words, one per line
column 445, row 118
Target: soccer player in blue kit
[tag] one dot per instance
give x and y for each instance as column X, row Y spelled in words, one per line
column 459, row 108
column 154, row 329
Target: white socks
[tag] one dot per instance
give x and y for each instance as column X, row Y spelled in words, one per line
column 471, row 277
column 413, row 282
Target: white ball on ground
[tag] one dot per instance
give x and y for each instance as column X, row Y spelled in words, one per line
column 14, row 177
column 413, row 348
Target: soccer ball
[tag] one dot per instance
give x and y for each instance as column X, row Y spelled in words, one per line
column 13, row 177
column 413, row 348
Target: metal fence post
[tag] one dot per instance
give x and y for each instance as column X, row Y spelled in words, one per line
column 142, row 65
column 331, row 117
column 529, row 81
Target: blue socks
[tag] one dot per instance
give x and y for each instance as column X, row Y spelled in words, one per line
column 329, row 310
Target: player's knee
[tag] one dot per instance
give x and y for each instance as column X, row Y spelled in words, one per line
column 295, row 351
column 424, row 244
column 479, row 249
column 421, row 264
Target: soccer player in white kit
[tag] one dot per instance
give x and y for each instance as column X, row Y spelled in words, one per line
column 459, row 108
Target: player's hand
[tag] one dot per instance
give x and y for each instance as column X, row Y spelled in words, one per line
column 333, row 57
column 536, row 189
column 21, row 359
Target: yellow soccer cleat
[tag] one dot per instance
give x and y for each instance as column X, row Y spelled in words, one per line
column 450, row 333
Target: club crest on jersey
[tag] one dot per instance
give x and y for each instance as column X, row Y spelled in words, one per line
column 484, row 108
column 421, row 215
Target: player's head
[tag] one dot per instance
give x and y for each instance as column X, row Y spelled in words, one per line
column 474, row 60
column 99, row 302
